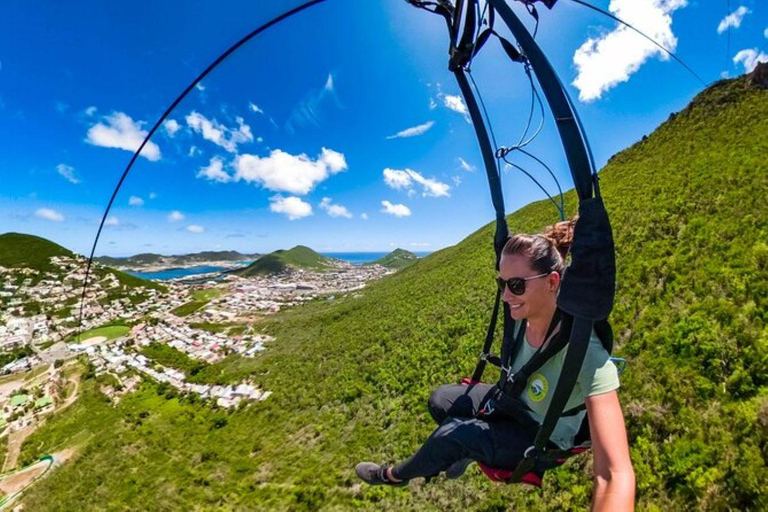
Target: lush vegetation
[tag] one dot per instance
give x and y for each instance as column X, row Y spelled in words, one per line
column 278, row 261
column 399, row 258
column 350, row 377
column 19, row 250
column 15, row 354
column 200, row 299
column 168, row 356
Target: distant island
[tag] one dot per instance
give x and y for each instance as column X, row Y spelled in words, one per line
column 303, row 258
column 397, row 259
column 152, row 261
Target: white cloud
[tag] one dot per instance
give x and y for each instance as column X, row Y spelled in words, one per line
column 432, row 104
column 194, row 151
column 414, row 131
column 152, row 195
column 112, row 221
column 49, row 214
column 405, row 179
column 364, row 216
column 255, row 108
column 283, row 172
column 171, row 127
column 309, row 110
column 135, row 201
column 61, row 107
column 733, row 19
column 765, row 33
column 90, row 111
column 749, row 58
column 175, row 216
column 68, row 173
column 334, row 210
column 398, row 210
column 466, row 166
column 199, row 86
column 214, row 171
column 213, row 131
column 608, row 60
column 456, row 180
column 397, row 179
column 195, row 228
column 293, row 207
column 121, row 132
column 455, row 103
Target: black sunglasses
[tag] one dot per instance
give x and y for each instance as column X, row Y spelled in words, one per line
column 516, row 285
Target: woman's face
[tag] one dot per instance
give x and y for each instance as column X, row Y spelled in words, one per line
column 540, row 293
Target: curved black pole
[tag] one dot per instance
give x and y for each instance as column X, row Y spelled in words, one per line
column 159, row 122
column 502, row 231
column 574, row 140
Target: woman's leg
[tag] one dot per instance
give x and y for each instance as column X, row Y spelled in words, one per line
column 497, row 443
column 457, row 401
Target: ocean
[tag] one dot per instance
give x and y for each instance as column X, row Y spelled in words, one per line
column 356, row 258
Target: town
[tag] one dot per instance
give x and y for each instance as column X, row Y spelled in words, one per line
column 45, row 332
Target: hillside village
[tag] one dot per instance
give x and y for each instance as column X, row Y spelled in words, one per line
column 198, row 324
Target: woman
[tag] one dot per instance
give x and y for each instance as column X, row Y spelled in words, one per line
column 530, row 272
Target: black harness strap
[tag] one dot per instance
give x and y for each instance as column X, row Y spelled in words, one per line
column 574, row 141
column 502, row 231
column 574, row 358
column 486, row 356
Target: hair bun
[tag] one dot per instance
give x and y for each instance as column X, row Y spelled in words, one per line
column 561, row 235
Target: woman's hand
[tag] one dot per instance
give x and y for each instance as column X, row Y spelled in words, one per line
column 614, row 477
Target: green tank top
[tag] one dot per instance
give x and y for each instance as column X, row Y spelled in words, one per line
column 598, row 375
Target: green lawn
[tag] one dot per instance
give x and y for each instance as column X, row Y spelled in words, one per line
column 110, row 332
column 208, row 294
column 189, row 308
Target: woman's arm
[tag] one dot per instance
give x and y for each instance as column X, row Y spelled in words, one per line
column 614, row 477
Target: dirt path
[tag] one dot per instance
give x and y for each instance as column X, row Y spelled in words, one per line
column 15, row 484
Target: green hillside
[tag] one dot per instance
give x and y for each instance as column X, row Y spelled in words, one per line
column 273, row 263
column 399, row 258
column 351, row 377
column 20, row 250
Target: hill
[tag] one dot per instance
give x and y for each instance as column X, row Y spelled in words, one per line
column 21, row 250
column 299, row 257
column 351, row 376
column 397, row 259
column 145, row 259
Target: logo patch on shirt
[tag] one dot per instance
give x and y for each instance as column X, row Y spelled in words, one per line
column 538, row 387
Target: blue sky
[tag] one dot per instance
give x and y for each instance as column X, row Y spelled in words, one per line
column 341, row 129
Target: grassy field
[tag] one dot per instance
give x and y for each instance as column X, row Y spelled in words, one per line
column 110, row 332
column 189, row 308
column 207, row 294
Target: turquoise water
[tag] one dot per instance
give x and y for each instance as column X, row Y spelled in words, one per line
column 175, row 273
column 356, row 258
column 360, row 258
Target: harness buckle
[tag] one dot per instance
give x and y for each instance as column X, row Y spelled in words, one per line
column 484, row 356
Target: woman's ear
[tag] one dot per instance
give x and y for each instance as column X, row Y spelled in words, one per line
column 554, row 281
